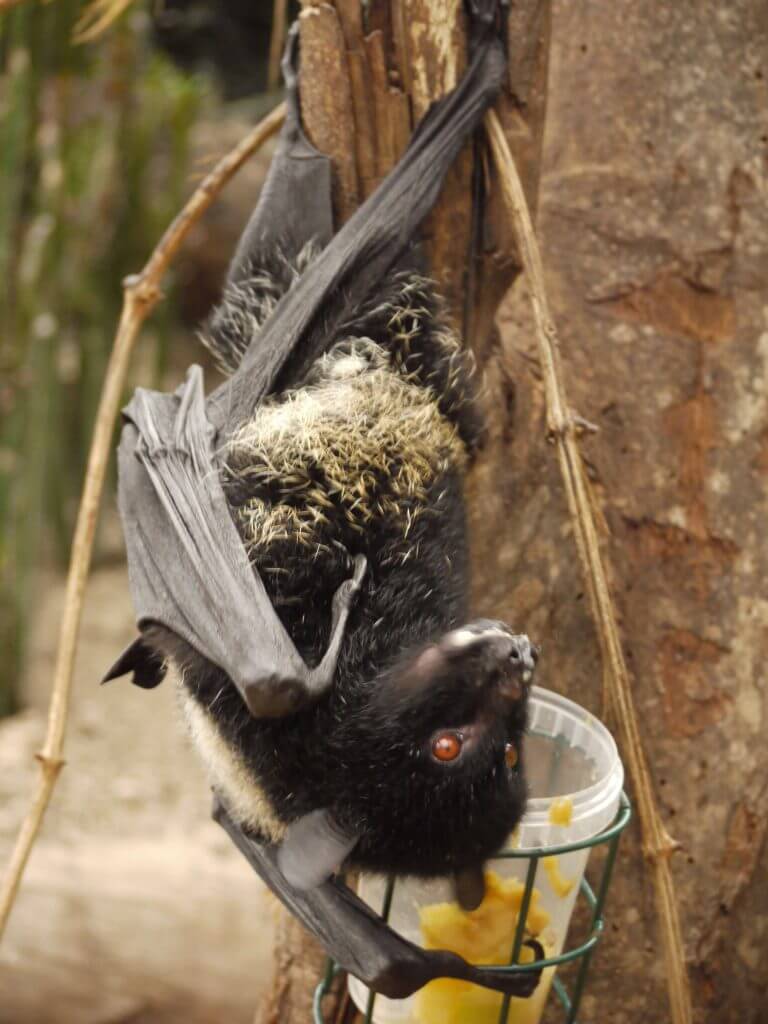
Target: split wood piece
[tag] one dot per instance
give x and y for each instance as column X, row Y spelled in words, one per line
column 366, row 148
column 327, row 113
column 431, row 49
column 386, row 120
column 351, row 17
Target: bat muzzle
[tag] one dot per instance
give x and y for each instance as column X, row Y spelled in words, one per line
column 508, row 658
column 519, row 661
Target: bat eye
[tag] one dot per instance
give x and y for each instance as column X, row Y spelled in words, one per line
column 446, row 746
column 510, row 755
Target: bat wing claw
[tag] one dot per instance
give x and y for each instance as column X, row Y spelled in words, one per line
column 361, row 564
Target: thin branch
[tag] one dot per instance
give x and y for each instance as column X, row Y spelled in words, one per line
column 658, row 845
column 97, row 18
column 141, row 294
column 277, row 42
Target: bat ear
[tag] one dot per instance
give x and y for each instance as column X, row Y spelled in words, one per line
column 314, row 848
column 148, row 666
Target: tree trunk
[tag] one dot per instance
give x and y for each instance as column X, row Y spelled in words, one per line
column 654, row 225
column 365, row 84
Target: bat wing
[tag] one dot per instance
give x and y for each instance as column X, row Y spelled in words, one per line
column 294, row 206
column 147, row 666
column 187, row 567
column 357, row 938
column 181, row 540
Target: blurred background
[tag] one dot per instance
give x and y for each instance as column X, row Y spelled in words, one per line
column 103, row 135
column 100, row 141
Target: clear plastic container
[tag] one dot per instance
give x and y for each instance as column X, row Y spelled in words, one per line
column 575, row 776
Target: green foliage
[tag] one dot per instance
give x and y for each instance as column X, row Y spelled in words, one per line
column 94, row 162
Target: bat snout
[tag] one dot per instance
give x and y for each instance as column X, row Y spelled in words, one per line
column 523, row 656
column 508, row 657
column 494, row 638
column 482, row 653
column 518, row 667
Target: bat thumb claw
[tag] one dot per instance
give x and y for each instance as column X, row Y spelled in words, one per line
column 361, row 564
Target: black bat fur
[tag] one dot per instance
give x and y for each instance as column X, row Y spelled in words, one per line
column 362, row 749
column 343, row 476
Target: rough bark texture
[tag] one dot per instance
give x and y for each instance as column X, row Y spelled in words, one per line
column 654, row 223
column 298, row 966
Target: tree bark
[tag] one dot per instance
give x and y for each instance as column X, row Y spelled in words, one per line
column 654, row 225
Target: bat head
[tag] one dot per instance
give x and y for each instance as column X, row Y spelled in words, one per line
column 434, row 782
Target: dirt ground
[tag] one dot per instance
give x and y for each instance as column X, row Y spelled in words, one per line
column 134, row 907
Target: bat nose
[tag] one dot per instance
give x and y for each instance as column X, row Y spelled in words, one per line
column 510, row 657
column 523, row 655
column 520, row 662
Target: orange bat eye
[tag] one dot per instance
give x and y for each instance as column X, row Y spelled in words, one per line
column 510, row 755
column 446, row 746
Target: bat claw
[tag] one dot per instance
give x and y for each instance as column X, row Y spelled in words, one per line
column 529, row 981
column 361, row 564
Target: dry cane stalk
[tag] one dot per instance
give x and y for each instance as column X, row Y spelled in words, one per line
column 141, row 293
column 658, row 845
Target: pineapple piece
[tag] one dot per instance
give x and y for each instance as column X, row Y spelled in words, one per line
column 561, row 885
column 483, row 936
column 561, row 811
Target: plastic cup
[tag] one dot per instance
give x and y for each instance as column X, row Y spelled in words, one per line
column 573, row 768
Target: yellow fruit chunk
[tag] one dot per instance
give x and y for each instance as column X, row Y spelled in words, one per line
column 481, row 936
column 561, row 811
column 560, row 884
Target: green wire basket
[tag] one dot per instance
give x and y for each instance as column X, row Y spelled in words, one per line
column 595, row 901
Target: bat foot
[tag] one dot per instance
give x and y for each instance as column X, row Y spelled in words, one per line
column 529, row 982
column 277, row 695
column 321, row 677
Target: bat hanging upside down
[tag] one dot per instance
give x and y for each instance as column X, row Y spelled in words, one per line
column 297, row 550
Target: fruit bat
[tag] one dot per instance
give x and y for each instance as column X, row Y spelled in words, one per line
column 297, row 550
